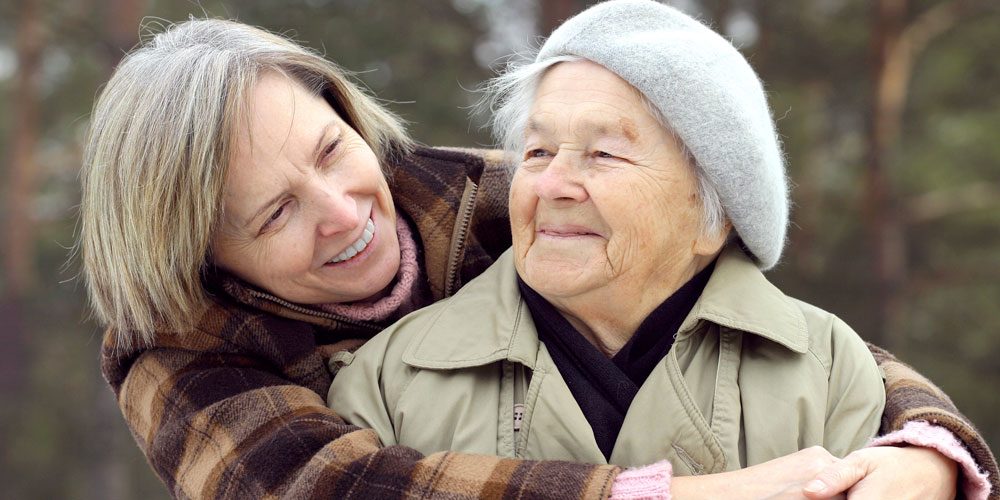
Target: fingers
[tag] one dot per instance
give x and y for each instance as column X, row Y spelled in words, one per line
column 836, row 478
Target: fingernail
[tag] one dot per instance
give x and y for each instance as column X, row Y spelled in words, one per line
column 816, row 486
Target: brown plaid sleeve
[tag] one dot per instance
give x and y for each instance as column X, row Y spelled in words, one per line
column 217, row 420
column 215, row 423
column 910, row 396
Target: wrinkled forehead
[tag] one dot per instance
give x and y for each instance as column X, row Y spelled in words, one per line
column 600, row 102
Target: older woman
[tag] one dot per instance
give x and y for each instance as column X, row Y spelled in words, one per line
column 237, row 228
column 630, row 321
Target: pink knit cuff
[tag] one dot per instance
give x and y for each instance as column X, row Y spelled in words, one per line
column 919, row 433
column 651, row 482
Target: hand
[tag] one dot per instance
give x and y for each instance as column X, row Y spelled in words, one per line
column 782, row 478
column 888, row 472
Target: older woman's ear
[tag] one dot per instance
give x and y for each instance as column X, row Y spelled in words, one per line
column 710, row 243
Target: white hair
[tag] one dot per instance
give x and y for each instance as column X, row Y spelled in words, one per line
column 509, row 98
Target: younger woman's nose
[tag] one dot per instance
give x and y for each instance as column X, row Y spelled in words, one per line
column 335, row 212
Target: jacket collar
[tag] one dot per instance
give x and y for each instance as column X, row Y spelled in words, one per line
column 487, row 321
column 738, row 296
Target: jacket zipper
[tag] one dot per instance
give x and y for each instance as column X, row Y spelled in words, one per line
column 311, row 312
column 458, row 236
column 519, row 408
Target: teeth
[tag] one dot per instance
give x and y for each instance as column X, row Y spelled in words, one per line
column 356, row 247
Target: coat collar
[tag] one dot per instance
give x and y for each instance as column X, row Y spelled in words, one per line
column 487, row 321
column 738, row 296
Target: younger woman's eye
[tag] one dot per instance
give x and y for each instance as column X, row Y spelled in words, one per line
column 603, row 154
column 275, row 216
column 328, row 150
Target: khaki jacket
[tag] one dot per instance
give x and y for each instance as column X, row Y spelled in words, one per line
column 753, row 375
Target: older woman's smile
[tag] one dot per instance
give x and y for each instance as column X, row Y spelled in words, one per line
column 598, row 206
column 566, row 231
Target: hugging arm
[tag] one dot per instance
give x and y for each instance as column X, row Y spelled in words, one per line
column 910, row 400
column 931, row 467
column 219, row 420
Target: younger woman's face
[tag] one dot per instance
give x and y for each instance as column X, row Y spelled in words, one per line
column 308, row 215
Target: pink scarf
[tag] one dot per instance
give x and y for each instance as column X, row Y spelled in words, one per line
column 400, row 300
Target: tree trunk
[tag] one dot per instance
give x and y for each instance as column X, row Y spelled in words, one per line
column 122, row 25
column 18, row 239
column 719, row 13
column 22, row 167
column 885, row 234
column 895, row 47
column 766, row 28
column 18, row 243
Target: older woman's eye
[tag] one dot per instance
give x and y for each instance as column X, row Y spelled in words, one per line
column 536, row 153
column 603, row 154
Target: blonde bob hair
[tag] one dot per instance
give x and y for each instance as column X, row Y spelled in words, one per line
column 161, row 135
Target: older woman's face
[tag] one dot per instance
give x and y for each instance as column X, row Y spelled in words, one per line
column 604, row 194
column 308, row 214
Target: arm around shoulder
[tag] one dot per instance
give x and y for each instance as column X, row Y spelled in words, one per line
column 911, row 397
column 222, row 421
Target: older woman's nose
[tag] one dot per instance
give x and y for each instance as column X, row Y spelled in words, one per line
column 336, row 212
column 561, row 180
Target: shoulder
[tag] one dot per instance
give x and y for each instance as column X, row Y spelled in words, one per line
column 473, row 325
column 495, row 171
column 834, row 343
column 388, row 346
column 377, row 371
column 435, row 161
column 227, row 335
column 482, row 166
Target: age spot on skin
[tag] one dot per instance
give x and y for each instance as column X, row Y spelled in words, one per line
column 629, row 129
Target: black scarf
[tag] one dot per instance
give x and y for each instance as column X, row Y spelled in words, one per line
column 603, row 387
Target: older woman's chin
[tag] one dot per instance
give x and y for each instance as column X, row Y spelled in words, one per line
column 559, row 279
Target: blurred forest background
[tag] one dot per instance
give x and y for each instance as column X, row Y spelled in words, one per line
column 889, row 111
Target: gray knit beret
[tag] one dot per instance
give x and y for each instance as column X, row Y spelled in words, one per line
column 710, row 97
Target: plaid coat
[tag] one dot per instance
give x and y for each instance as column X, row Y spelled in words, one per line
column 235, row 408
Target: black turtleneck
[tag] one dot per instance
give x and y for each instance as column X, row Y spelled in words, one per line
column 604, row 387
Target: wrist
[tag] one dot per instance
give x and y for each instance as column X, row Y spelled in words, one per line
column 649, row 482
column 973, row 482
